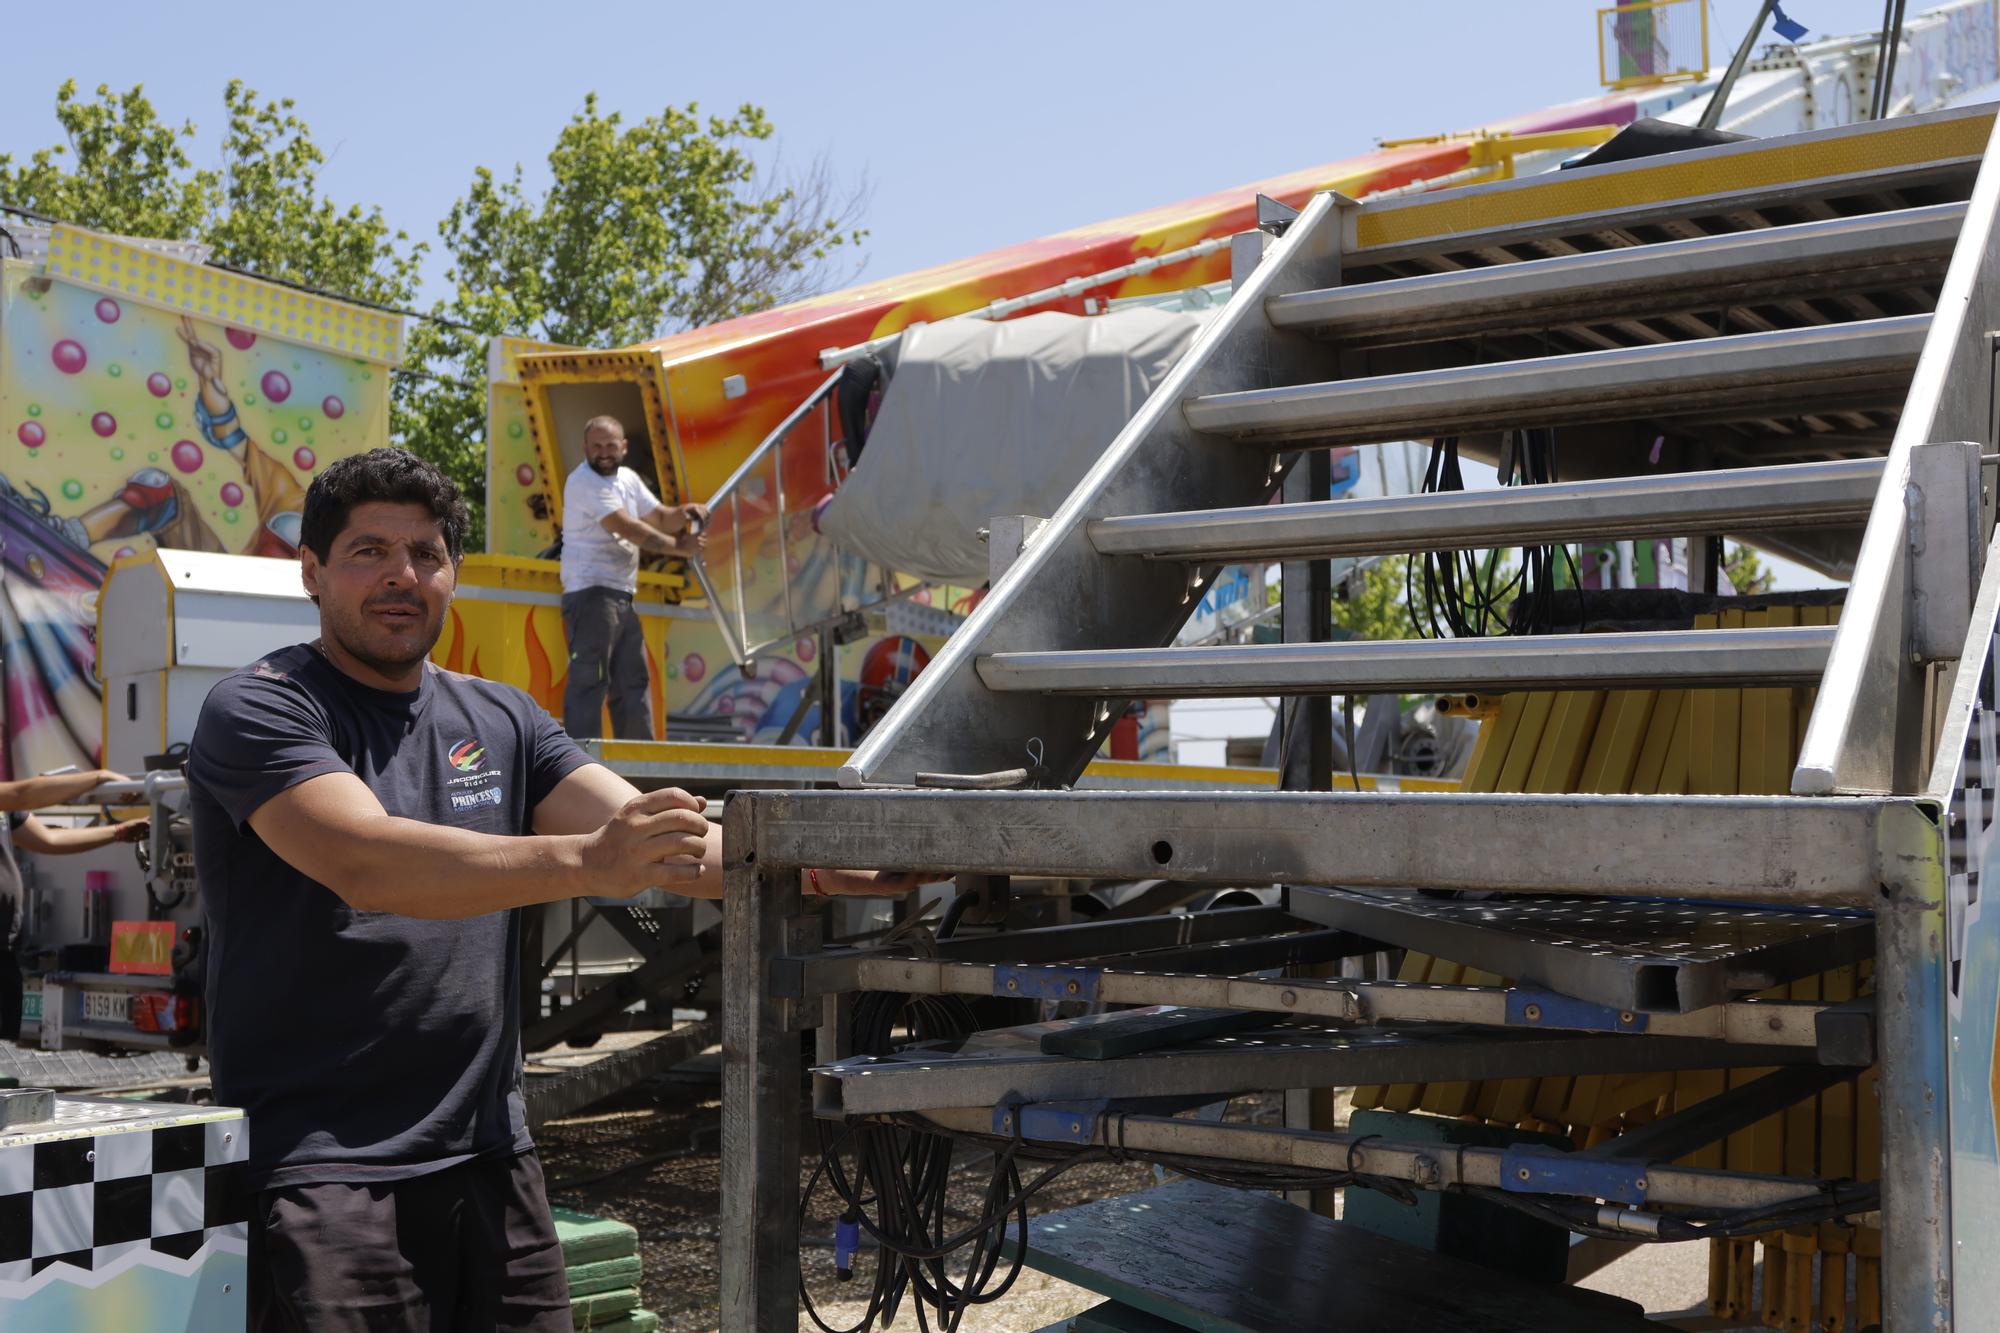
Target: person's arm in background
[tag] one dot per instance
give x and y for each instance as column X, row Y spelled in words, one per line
column 648, row 537
column 60, row 789
column 675, row 520
column 45, row 840
column 590, row 794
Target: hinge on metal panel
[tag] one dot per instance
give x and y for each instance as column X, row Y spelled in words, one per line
column 1546, row 1009
column 1027, row 981
column 1542, row 1171
column 1273, row 216
column 1050, row 1122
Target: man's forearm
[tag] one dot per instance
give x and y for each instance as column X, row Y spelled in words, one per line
column 387, row 864
column 668, row 519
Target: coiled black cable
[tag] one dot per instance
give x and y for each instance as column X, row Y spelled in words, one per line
column 1463, row 593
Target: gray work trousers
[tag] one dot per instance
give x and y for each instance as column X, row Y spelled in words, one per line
column 607, row 655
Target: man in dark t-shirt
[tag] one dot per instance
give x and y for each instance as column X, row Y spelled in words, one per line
column 364, row 824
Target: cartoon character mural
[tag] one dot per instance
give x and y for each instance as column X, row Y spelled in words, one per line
column 145, row 399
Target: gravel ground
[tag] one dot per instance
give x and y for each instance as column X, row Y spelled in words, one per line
column 675, row 1204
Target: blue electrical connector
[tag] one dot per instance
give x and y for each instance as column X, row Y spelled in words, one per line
column 846, row 1240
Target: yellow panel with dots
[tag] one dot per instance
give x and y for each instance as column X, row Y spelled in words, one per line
column 124, row 268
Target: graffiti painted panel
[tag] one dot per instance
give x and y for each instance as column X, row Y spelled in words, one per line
column 126, row 425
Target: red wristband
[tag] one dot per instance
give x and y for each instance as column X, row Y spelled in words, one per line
column 813, row 875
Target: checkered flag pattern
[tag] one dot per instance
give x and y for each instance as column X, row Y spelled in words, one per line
column 104, row 1189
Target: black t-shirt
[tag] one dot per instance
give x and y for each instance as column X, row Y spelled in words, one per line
column 363, row 1045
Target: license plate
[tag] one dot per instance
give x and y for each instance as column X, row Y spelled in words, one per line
column 106, row 1007
column 31, row 1006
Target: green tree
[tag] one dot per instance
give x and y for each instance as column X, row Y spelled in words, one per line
column 1376, row 604
column 120, row 168
column 1746, row 570
column 645, row 228
column 1369, row 605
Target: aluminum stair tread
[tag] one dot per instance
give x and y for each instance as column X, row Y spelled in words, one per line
column 1898, row 248
column 1748, row 499
column 1791, row 655
column 1754, row 374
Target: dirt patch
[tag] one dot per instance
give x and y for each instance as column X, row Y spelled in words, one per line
column 651, row 1158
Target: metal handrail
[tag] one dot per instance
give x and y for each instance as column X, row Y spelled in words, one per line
column 770, row 441
column 1861, row 738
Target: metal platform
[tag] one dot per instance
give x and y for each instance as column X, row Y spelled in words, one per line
column 1651, row 956
column 1007, row 1064
column 82, row 1069
column 1230, row 1261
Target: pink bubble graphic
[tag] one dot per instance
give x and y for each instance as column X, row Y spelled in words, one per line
column 108, row 311
column 276, row 387
column 124, row 551
column 31, row 434
column 333, row 407
column 304, row 459
column 694, row 668
column 104, row 424
column 187, row 455
column 525, row 475
column 241, row 339
column 804, row 650
column 68, row 356
column 723, row 705
column 159, row 385
column 232, row 494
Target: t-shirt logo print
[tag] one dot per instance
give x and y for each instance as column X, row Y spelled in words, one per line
column 465, row 756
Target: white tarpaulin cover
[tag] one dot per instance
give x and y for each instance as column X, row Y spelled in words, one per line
column 986, row 419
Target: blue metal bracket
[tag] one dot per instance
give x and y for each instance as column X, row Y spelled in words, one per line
column 1028, row 982
column 1541, row 1171
column 1546, row 1009
column 1050, row 1122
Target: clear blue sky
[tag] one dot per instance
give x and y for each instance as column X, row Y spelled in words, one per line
column 979, row 124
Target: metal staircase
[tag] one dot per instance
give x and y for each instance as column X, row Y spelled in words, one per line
column 1785, row 339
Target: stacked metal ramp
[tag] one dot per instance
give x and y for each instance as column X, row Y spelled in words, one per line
column 1782, row 338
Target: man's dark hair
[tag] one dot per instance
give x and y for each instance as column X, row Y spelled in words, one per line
column 392, row 476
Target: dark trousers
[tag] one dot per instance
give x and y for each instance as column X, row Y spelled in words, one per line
column 607, row 655
column 470, row 1249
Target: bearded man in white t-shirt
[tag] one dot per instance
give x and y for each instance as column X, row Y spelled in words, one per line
column 609, row 516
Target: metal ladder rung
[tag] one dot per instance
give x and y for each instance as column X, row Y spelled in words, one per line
column 1808, row 259
column 1641, row 660
column 1764, row 373
column 1746, row 499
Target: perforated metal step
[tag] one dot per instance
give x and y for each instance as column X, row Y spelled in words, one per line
column 1649, row 955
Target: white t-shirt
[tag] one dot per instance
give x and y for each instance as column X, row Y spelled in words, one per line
column 591, row 556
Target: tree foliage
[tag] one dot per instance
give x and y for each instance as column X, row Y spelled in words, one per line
column 120, row 168
column 645, row 228
column 1746, row 570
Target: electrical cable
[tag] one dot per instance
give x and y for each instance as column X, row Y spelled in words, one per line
column 1462, row 594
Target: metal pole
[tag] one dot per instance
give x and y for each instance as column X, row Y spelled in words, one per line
column 1913, row 1087
column 762, row 1065
column 1711, row 115
column 1306, row 749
